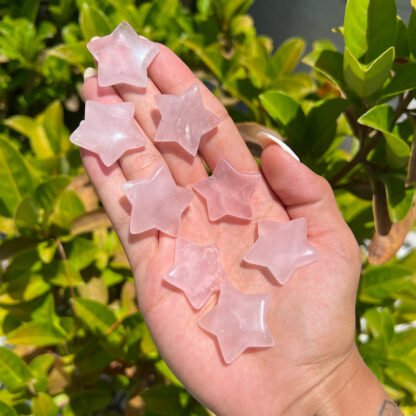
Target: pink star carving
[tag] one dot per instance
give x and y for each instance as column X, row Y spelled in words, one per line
column 228, row 191
column 184, row 119
column 239, row 322
column 198, row 271
column 108, row 130
column 157, row 202
column 123, row 57
column 282, row 247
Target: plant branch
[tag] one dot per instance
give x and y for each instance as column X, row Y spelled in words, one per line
column 62, row 253
column 402, row 105
column 358, row 158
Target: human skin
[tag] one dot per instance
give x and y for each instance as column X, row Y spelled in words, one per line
column 314, row 367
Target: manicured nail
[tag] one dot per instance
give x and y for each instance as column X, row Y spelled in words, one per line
column 279, row 142
column 89, row 73
column 94, row 38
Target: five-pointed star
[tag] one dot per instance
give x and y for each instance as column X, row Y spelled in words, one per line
column 123, row 57
column 184, row 119
column 198, row 271
column 228, row 191
column 108, row 130
column 157, row 202
column 239, row 322
column 282, row 247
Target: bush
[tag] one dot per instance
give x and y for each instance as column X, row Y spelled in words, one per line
column 79, row 343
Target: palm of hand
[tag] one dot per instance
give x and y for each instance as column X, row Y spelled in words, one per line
column 311, row 317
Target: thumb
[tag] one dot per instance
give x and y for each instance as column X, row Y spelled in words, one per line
column 303, row 192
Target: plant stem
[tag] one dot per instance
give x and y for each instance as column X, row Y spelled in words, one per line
column 359, row 157
column 66, row 267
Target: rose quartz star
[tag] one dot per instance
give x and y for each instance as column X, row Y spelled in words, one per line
column 184, row 119
column 239, row 322
column 157, row 202
column 282, row 247
column 228, row 191
column 123, row 57
column 108, row 130
column 198, row 271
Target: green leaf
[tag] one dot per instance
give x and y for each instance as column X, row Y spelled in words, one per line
column 402, row 42
column 82, row 252
column 93, row 22
column 41, row 364
column 88, row 402
column 399, row 197
column 24, row 288
column 167, row 372
column 321, row 124
column 48, row 193
column 43, row 405
column 287, row 113
column 98, row 318
column 69, row 207
column 62, row 274
column 363, row 79
column 380, row 323
column 40, row 334
column 163, row 400
column 9, row 248
column 297, row 85
column 411, row 32
column 6, row 410
column 286, row 58
column 31, row 129
column 404, row 79
column 328, row 63
column 402, row 374
column 15, row 177
column 14, row 372
column 369, row 28
column 381, row 282
column 380, row 118
column 27, row 214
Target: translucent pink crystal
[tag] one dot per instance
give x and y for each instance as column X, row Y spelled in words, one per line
column 123, row 57
column 157, row 202
column 108, row 130
column 198, row 271
column 184, row 119
column 228, row 191
column 282, row 247
column 239, row 322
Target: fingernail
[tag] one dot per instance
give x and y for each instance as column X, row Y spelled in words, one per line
column 94, row 38
column 89, row 73
column 279, row 142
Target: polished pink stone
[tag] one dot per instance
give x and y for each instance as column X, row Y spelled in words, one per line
column 282, row 247
column 184, row 119
column 239, row 322
column 198, row 271
column 228, row 191
column 123, row 57
column 108, row 130
column 157, row 202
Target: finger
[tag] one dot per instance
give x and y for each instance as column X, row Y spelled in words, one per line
column 185, row 168
column 304, row 193
column 107, row 182
column 171, row 76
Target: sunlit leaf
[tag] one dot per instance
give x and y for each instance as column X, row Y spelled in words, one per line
column 14, row 372
column 43, row 405
column 37, row 333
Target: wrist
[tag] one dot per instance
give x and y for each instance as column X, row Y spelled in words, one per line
column 349, row 389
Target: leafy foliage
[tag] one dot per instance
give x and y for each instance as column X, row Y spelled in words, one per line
column 79, row 343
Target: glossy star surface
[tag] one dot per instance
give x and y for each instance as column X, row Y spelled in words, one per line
column 282, row 247
column 228, row 191
column 157, row 202
column 108, row 130
column 184, row 119
column 123, row 57
column 198, row 271
column 239, row 322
